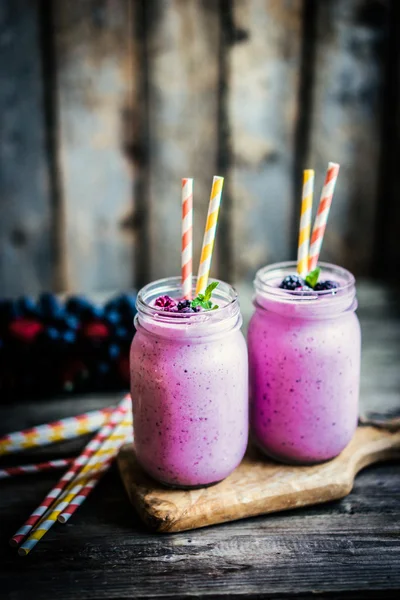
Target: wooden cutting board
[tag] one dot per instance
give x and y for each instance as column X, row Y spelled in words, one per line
column 256, row 487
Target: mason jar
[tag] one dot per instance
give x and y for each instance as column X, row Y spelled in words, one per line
column 304, row 362
column 189, row 387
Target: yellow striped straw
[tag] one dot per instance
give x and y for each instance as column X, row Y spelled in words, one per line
column 99, row 462
column 209, row 234
column 305, row 222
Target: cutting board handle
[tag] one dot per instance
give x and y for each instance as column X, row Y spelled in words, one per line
column 374, row 444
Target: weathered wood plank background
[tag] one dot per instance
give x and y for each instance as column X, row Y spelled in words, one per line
column 106, row 104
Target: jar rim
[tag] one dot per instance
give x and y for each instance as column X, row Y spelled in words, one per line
column 170, row 285
column 274, row 271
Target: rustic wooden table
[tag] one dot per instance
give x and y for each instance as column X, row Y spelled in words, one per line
column 347, row 549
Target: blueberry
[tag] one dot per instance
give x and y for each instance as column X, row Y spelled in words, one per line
column 187, row 309
column 183, row 304
column 114, row 351
column 8, row 311
column 76, row 305
column 323, row 286
column 122, row 333
column 112, row 317
column 103, row 368
column 127, row 304
column 291, row 282
column 71, row 322
column 49, row 305
column 69, row 337
column 26, row 307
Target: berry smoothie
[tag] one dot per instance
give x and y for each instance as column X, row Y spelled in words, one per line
column 304, row 357
column 189, row 377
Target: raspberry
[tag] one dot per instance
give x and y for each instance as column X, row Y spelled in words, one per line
column 292, row 282
column 165, row 302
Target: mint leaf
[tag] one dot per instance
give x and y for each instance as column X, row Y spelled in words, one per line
column 209, row 290
column 312, row 277
column 204, row 300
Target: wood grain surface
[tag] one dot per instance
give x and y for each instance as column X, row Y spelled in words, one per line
column 182, row 58
column 263, row 67
column 345, row 123
column 26, row 263
column 94, row 95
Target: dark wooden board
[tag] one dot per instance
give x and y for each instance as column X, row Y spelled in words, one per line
column 26, row 261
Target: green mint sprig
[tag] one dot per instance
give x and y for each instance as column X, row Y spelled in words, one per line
column 312, row 277
column 204, row 300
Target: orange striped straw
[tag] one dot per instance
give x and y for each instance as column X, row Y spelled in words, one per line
column 83, row 459
column 209, row 234
column 187, row 237
column 93, row 470
column 322, row 214
column 57, row 431
column 305, row 222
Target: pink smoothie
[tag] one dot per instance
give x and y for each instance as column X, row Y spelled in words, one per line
column 304, row 356
column 190, row 392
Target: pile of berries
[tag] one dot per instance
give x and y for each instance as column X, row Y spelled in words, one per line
column 294, row 283
column 48, row 346
column 168, row 304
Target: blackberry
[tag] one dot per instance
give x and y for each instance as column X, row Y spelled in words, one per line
column 323, row 286
column 183, row 304
column 292, row 282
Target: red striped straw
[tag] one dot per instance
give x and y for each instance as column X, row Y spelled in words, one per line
column 80, row 498
column 57, row 431
column 90, row 449
column 60, row 463
column 98, row 465
column 187, row 237
column 123, row 434
column 321, row 218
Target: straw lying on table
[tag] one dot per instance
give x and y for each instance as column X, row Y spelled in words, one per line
column 321, row 218
column 57, row 431
column 86, row 479
column 187, row 237
column 209, row 234
column 60, row 463
column 91, row 448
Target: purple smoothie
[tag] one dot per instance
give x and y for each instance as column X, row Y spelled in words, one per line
column 189, row 378
column 304, row 357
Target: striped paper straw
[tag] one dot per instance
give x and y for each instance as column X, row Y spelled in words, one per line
column 126, row 437
column 57, row 431
column 60, row 463
column 305, row 222
column 91, row 448
column 98, row 465
column 209, row 234
column 321, row 218
column 78, row 500
column 187, row 237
